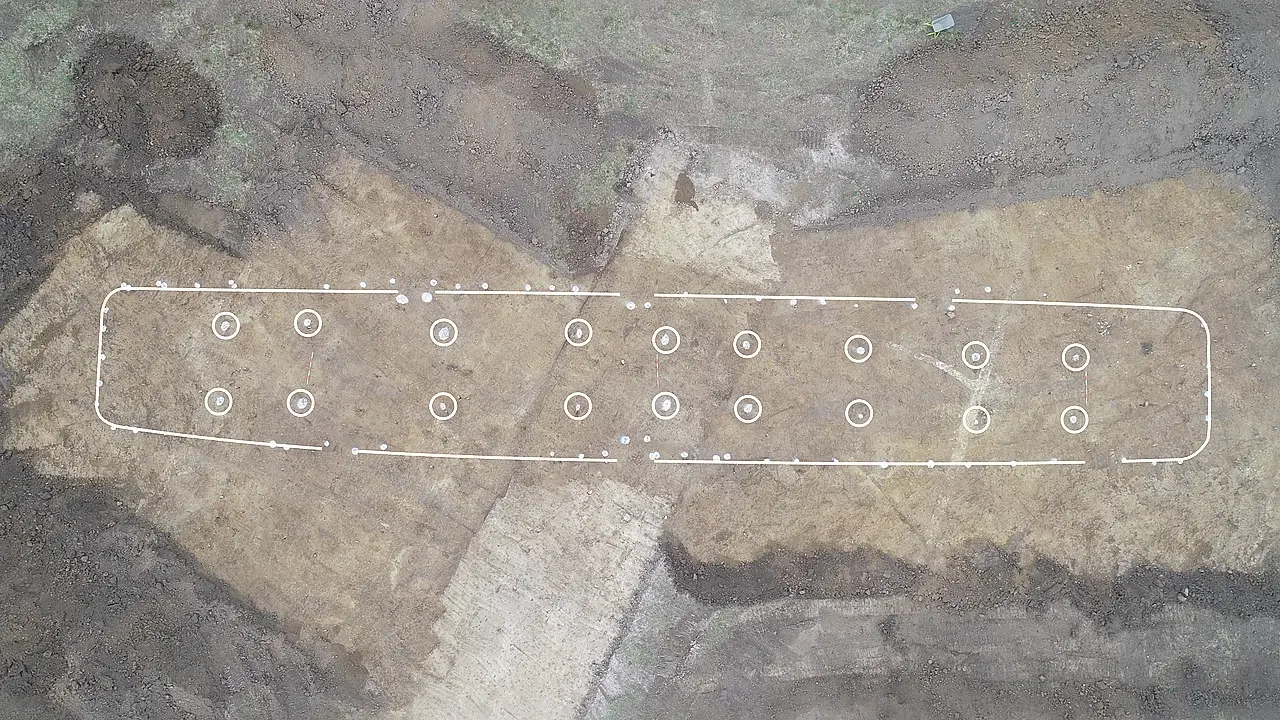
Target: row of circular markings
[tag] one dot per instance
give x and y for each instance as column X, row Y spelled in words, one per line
column 218, row 401
column 666, row 340
column 665, row 406
column 307, row 323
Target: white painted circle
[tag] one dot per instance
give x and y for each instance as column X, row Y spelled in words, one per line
column 665, row 405
column 402, row 299
column 577, row 332
column 1075, row 357
column 975, row 355
column 581, row 406
column 444, row 332
column 226, row 325
column 747, row 409
column 746, row 344
column 218, row 401
column 666, row 339
column 443, row 406
column 858, row 348
column 300, row 403
column 1074, row 419
column 426, row 297
column 859, row 413
column 976, row 419
column 307, row 322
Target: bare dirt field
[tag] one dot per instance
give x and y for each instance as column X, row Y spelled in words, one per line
column 868, row 204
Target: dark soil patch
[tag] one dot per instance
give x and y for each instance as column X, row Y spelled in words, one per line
column 136, row 107
column 984, row 579
column 100, row 611
column 151, row 105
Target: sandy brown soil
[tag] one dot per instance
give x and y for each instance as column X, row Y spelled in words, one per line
column 375, row 547
column 1120, row 153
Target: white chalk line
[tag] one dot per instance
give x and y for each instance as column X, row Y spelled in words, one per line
column 819, row 298
column 546, row 293
column 259, row 291
column 463, row 456
column 873, row 463
column 883, row 464
column 1208, row 359
column 102, row 326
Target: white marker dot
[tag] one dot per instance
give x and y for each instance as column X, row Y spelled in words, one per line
column 915, row 306
column 986, row 289
column 726, row 456
column 951, row 308
column 326, row 286
column 355, row 451
column 383, row 446
column 684, row 455
column 957, row 291
column 625, row 440
column 402, row 299
column 648, row 306
column 551, row 288
column 604, row 453
column 631, row 305
column 575, row 288
column 426, row 297
column 793, row 302
column 484, row 286
column 457, row 286
column 363, row 284
column 715, row 458
column 647, row 438
column 392, row 281
column 654, row 456
column 527, row 287
column 326, row 443
column 434, row 283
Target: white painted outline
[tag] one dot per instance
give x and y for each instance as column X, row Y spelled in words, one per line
column 653, row 405
column 871, row 412
column 1068, row 365
column 298, row 328
column 311, row 403
column 102, row 325
column 461, row 456
column 453, row 333
column 738, row 351
column 759, row 409
column 569, row 397
column 1062, row 419
column 590, row 332
column 870, row 349
column 986, row 355
column 883, row 464
column 964, row 419
column 230, row 401
column 830, row 298
column 431, row 406
column 1208, row 360
column 673, row 347
column 1208, row 393
column 531, row 293
column 214, row 325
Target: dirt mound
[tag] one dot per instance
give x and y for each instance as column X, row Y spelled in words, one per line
column 149, row 103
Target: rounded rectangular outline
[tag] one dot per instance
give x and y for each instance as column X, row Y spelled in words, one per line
column 1208, row 367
